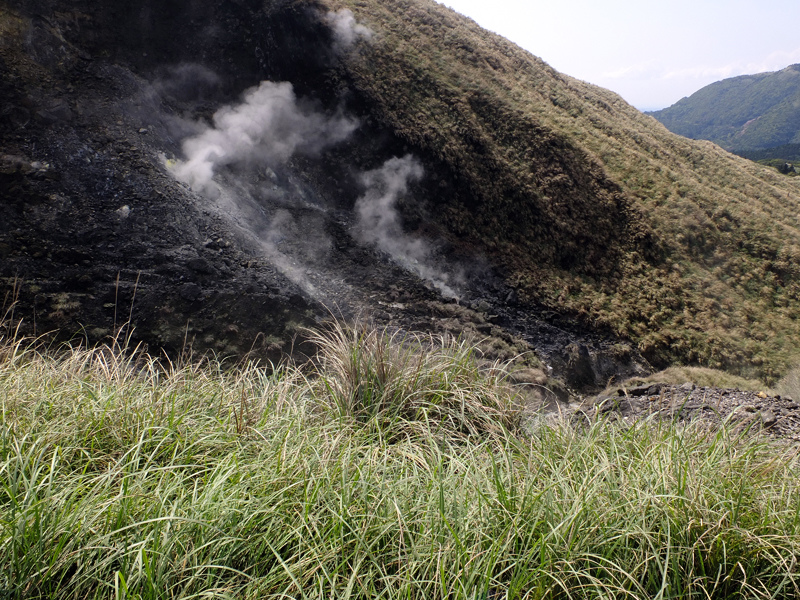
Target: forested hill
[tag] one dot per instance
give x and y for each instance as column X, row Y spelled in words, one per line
column 750, row 112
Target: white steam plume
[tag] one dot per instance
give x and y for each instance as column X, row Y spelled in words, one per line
column 346, row 30
column 255, row 138
column 379, row 221
column 268, row 127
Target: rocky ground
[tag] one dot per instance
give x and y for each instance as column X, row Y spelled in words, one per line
column 746, row 412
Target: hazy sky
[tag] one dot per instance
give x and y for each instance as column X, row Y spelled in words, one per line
column 651, row 53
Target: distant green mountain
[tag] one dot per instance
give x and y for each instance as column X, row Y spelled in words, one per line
column 785, row 152
column 751, row 112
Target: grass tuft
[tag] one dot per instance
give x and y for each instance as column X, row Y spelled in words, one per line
column 701, row 376
column 789, row 385
column 396, row 381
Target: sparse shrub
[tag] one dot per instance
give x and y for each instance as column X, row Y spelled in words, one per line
column 398, row 380
column 701, row 376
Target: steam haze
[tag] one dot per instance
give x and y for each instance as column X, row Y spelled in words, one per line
column 379, row 221
column 242, row 166
column 346, row 30
column 268, row 127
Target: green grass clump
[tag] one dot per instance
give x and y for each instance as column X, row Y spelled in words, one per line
column 396, row 381
column 371, row 473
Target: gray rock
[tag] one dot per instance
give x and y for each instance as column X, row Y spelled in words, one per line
column 56, row 112
column 481, row 306
column 768, row 418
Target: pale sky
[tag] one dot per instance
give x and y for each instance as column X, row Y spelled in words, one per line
column 651, row 53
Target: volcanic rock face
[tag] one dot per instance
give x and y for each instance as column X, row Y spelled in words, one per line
column 205, row 172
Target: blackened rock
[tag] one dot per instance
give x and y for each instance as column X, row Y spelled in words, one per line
column 641, row 390
column 579, row 366
column 56, row 112
column 190, row 292
column 200, row 265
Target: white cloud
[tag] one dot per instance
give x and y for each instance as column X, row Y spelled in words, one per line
column 652, row 84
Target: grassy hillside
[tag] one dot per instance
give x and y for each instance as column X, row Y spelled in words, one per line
column 595, row 208
column 391, row 469
column 750, row 112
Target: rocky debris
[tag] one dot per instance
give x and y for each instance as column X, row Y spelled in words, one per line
column 747, row 412
column 585, row 360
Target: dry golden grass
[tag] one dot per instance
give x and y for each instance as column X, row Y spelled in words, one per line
column 789, row 385
column 701, row 376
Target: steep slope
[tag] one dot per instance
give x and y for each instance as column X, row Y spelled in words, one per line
column 703, row 262
column 439, row 162
column 116, row 114
column 750, row 112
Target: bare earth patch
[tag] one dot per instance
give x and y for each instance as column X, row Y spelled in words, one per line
column 748, row 412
